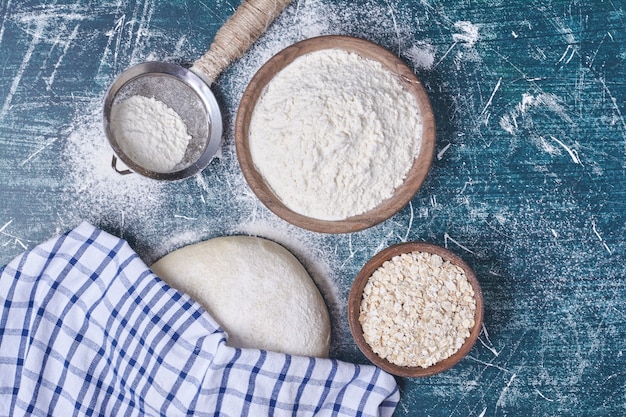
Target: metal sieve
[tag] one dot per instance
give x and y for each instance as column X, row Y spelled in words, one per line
column 188, row 92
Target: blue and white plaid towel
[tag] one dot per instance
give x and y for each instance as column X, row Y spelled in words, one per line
column 87, row 329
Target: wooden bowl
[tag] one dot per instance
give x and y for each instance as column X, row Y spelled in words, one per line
column 416, row 174
column 356, row 296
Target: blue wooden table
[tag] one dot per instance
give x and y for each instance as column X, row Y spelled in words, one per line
column 528, row 184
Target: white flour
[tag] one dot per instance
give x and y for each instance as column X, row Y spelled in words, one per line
column 150, row 133
column 334, row 134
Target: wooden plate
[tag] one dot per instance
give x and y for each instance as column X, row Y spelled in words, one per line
column 416, row 174
column 356, row 295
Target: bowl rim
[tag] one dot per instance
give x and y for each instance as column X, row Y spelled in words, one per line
column 417, row 173
column 355, row 297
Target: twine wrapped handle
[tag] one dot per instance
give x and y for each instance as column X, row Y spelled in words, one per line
column 237, row 35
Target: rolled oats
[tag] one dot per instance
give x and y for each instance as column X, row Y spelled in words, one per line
column 417, row 309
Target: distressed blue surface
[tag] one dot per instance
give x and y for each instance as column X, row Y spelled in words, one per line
column 528, row 183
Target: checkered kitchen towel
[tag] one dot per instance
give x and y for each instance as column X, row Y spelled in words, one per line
column 87, row 329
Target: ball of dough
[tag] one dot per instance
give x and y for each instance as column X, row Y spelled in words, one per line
column 256, row 290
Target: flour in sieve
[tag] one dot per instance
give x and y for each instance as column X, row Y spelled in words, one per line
column 334, row 134
column 150, row 133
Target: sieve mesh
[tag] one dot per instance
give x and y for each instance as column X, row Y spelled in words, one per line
column 187, row 92
column 181, row 98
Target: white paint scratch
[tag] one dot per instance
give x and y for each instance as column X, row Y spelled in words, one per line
column 395, row 23
column 543, row 396
column 552, row 102
column 144, row 24
column 572, row 152
column 446, row 238
column 180, row 216
column 7, row 7
column 384, row 241
column 52, row 16
column 20, row 72
column 571, row 50
column 410, row 225
column 492, row 365
column 16, row 240
column 574, row 51
column 5, row 225
column 614, row 102
column 548, row 147
column 116, row 33
column 608, row 378
column 508, row 123
column 493, row 93
column 491, row 348
column 522, row 111
column 593, row 58
column 527, row 101
column 441, row 152
column 469, row 182
column 566, row 32
column 351, row 250
column 202, row 183
column 482, row 414
column 445, row 54
column 500, row 401
column 68, row 43
column 595, row 230
column 41, row 148
column 485, row 332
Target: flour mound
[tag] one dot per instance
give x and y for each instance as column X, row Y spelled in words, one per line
column 256, row 290
column 150, row 133
column 334, row 134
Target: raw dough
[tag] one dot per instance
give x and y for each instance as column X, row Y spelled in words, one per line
column 256, row 290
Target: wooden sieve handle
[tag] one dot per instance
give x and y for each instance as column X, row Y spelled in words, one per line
column 237, row 35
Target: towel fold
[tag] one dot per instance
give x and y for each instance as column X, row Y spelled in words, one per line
column 86, row 328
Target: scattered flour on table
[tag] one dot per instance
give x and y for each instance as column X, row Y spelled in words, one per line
column 334, row 134
column 521, row 114
column 149, row 132
column 96, row 192
column 467, row 33
column 422, row 55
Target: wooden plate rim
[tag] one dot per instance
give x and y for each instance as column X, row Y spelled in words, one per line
column 416, row 175
column 354, row 303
